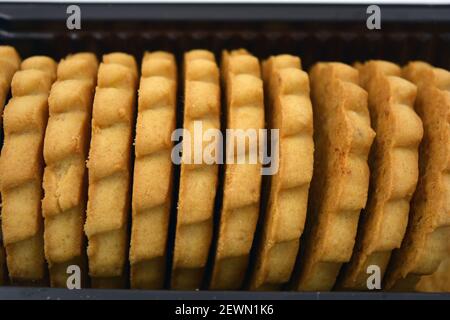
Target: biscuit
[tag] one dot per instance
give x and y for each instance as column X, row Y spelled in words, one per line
column 65, row 151
column 290, row 110
column 198, row 182
column 153, row 170
column 109, row 171
column 9, row 64
column 241, row 78
column 425, row 243
column 342, row 139
column 21, row 168
column 394, row 170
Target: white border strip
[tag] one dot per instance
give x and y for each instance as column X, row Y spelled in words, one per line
column 329, row 2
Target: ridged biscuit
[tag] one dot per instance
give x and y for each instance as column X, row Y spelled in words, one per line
column 153, row 170
column 65, row 151
column 425, row 244
column 241, row 78
column 290, row 111
column 21, row 169
column 9, row 64
column 198, row 182
column 394, row 167
column 109, row 171
column 342, row 139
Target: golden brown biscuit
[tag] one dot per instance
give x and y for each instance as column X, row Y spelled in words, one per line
column 109, row 170
column 153, row 170
column 394, row 170
column 290, row 111
column 9, row 64
column 425, row 244
column 21, row 169
column 242, row 183
column 65, row 151
column 342, row 139
column 198, row 182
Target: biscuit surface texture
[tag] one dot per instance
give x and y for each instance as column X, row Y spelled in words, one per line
column 110, row 170
column 342, row 139
column 394, row 170
column 425, row 244
column 153, row 170
column 290, row 111
column 438, row 281
column 198, row 181
column 243, row 86
column 21, row 170
column 66, row 146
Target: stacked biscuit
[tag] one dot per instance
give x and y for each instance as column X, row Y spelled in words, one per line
column 244, row 110
column 290, row 110
column 10, row 63
column 110, row 171
column 198, row 181
column 342, row 137
column 360, row 160
column 21, row 166
column 153, row 170
column 65, row 151
column 393, row 166
column 425, row 245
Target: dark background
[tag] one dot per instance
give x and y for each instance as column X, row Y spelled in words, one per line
column 314, row 32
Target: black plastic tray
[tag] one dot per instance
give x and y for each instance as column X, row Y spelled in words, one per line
column 231, row 12
column 312, row 31
column 17, row 293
